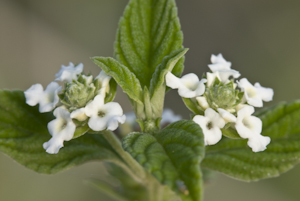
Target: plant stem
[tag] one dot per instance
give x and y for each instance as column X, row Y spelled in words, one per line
column 131, row 162
column 155, row 190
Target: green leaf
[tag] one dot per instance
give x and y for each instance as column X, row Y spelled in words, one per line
column 158, row 84
column 193, row 106
column 148, row 31
column 123, row 76
column 235, row 158
column 172, row 156
column 23, row 130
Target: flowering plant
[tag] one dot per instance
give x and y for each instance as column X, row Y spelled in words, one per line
column 163, row 157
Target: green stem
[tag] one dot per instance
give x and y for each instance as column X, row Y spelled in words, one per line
column 155, row 190
column 131, row 162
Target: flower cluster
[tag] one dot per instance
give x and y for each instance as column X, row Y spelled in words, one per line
column 83, row 101
column 222, row 103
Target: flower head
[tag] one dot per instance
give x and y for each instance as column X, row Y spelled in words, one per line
column 62, row 129
column 211, row 125
column 47, row 99
column 69, row 73
column 104, row 116
column 188, row 85
column 255, row 95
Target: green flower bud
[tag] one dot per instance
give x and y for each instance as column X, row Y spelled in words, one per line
column 223, row 96
column 79, row 92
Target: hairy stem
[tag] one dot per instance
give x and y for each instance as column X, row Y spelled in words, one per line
column 135, row 167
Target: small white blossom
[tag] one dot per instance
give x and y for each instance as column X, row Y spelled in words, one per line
column 168, row 116
column 211, row 125
column 219, row 63
column 188, row 85
column 104, row 116
column 255, row 95
column 227, row 116
column 250, row 127
column 69, row 73
column 79, row 114
column 62, row 129
column 104, row 80
column 223, row 67
column 47, row 99
column 202, row 102
column 259, row 143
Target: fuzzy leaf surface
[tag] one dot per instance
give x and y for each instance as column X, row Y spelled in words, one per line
column 235, row 159
column 172, row 156
column 122, row 75
column 148, row 31
column 23, row 130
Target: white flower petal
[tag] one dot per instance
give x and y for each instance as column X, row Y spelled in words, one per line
column 259, row 143
column 173, row 81
column 255, row 94
column 79, row 114
column 69, row 73
column 219, row 63
column 211, row 78
column 114, row 122
column 53, row 145
column 104, row 79
column 266, row 94
column 202, row 102
column 226, row 74
column 227, row 116
column 33, row 94
column 188, row 86
column 247, row 125
column 98, row 124
column 92, row 108
column 49, row 98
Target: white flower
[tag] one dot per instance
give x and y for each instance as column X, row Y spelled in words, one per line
column 219, row 63
column 47, row 99
column 227, row 116
column 62, row 129
column 250, row 127
column 259, row 143
column 188, row 85
column 69, row 73
column 221, row 69
column 211, row 125
column 168, row 116
column 104, row 80
column 255, row 95
column 246, row 124
column 104, row 116
column 202, row 102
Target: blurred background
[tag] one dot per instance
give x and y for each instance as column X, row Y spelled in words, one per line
column 260, row 38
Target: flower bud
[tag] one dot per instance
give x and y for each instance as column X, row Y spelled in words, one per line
column 223, row 96
column 79, row 92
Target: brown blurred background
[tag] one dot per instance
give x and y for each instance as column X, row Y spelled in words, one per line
column 260, row 37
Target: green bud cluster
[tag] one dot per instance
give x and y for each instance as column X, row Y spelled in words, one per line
column 79, row 92
column 221, row 95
